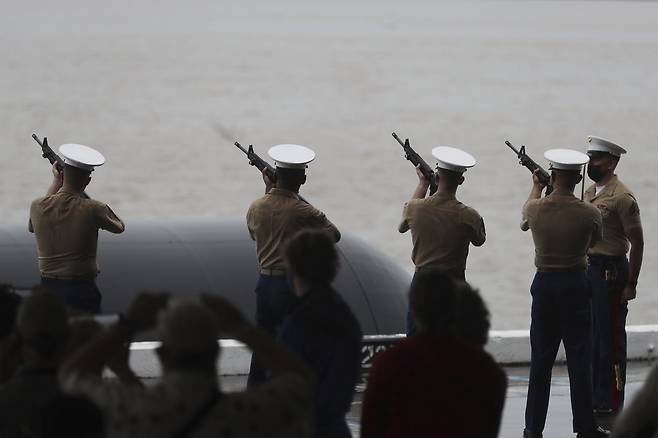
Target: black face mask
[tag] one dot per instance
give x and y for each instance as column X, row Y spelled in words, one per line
column 595, row 173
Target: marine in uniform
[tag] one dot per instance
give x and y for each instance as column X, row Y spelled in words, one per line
column 66, row 226
column 563, row 229
column 442, row 228
column 613, row 277
column 272, row 220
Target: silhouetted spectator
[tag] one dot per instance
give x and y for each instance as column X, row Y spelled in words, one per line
column 84, row 329
column 187, row 402
column 639, row 419
column 439, row 382
column 9, row 353
column 322, row 330
column 71, row 416
column 42, row 329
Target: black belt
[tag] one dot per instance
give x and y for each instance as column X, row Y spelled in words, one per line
column 274, row 272
column 569, row 269
column 600, row 258
column 72, row 279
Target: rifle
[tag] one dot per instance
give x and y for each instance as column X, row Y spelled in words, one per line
column 257, row 161
column 531, row 165
column 416, row 159
column 48, row 153
column 51, row 156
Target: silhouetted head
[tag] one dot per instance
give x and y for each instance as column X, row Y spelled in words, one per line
column 189, row 335
column 73, row 416
column 472, row 322
column 312, row 257
column 42, row 325
column 439, row 303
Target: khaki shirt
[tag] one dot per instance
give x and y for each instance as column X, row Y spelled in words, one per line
column 66, row 228
column 620, row 212
column 563, row 229
column 276, row 217
column 441, row 230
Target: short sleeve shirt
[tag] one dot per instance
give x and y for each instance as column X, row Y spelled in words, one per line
column 620, row 213
column 66, row 228
column 563, row 228
column 441, row 230
column 276, row 217
column 280, row 407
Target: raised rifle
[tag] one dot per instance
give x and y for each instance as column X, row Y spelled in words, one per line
column 257, row 161
column 531, row 165
column 50, row 155
column 411, row 155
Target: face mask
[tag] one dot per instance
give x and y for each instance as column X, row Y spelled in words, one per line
column 595, row 173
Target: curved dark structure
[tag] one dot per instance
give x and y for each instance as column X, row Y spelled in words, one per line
column 185, row 257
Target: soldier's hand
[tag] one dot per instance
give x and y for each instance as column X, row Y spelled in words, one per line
column 536, row 181
column 629, row 293
column 421, row 178
column 268, row 182
column 58, row 176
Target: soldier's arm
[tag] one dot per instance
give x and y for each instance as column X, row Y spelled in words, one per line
column 423, row 185
column 331, row 228
column 314, row 218
column 535, row 193
column 57, row 182
column 629, row 214
column 525, row 215
column 250, row 221
column 479, row 232
column 537, row 186
column 636, row 237
column 107, row 220
column 404, row 225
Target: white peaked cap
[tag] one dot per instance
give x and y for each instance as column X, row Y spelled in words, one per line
column 453, row 159
column 81, row 156
column 291, row 156
column 566, row 159
column 598, row 144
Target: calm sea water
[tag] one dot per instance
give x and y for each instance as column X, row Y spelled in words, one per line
column 163, row 88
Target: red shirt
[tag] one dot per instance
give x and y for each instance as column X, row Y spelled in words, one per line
column 433, row 385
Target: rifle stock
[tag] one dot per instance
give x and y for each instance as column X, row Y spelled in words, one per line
column 411, row 155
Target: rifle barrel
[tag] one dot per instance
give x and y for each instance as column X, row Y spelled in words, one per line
column 36, row 138
column 241, row 148
column 395, row 136
column 512, row 147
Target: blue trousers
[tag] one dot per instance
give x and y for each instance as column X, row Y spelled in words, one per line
column 560, row 312
column 79, row 295
column 274, row 301
column 608, row 277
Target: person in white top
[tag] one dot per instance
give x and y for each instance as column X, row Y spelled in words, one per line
column 188, row 402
